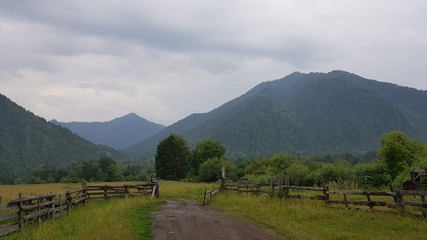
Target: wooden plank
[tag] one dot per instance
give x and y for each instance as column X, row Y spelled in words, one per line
column 365, row 203
column 76, row 191
column 391, row 194
column 9, row 228
column 416, row 204
column 40, row 213
column 108, row 193
column 153, row 192
column 7, row 207
column 8, row 216
column 31, row 198
column 34, row 206
column 413, row 193
column 80, row 200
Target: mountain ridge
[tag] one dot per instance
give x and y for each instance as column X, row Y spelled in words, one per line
column 296, row 113
column 118, row 133
column 28, row 141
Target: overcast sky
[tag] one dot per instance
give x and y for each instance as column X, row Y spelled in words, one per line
column 96, row 60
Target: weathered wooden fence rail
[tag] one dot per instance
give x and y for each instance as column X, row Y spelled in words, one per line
column 399, row 201
column 35, row 209
column 209, row 195
column 276, row 189
column 125, row 191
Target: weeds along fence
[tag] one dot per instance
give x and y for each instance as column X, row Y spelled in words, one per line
column 396, row 201
column 19, row 212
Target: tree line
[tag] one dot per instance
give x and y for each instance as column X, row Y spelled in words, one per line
column 105, row 169
column 397, row 156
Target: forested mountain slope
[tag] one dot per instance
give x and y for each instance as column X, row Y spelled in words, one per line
column 315, row 113
column 28, row 141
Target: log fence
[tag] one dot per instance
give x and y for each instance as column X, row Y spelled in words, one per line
column 398, row 201
column 19, row 212
column 276, row 188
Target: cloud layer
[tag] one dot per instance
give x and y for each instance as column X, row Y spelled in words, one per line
column 96, row 60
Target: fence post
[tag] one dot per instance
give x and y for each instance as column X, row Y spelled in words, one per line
column 21, row 213
column 369, row 201
column 399, row 198
column 345, row 200
column 52, row 214
column 126, row 191
column 60, row 205
column 69, row 199
column 204, row 197
column 105, row 192
column 326, row 192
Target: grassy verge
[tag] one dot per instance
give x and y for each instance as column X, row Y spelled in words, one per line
column 99, row 219
column 303, row 219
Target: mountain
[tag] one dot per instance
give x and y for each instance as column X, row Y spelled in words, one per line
column 314, row 113
column 28, row 141
column 118, row 133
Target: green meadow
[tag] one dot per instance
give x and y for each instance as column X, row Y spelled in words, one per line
column 286, row 218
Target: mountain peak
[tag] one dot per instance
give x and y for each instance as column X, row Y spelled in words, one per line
column 305, row 113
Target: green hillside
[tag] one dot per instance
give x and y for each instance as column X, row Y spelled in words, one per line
column 28, row 141
column 315, row 113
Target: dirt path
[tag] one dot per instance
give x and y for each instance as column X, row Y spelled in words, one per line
column 190, row 221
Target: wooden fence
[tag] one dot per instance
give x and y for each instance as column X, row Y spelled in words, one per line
column 35, row 209
column 105, row 191
column 209, row 195
column 276, row 188
column 399, row 201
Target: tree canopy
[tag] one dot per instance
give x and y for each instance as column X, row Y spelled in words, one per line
column 172, row 158
column 205, row 150
column 399, row 152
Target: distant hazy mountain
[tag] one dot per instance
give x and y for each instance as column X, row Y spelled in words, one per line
column 28, row 141
column 118, row 133
column 313, row 113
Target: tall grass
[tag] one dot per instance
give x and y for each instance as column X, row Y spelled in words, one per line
column 184, row 190
column 99, row 219
column 304, row 219
column 9, row 192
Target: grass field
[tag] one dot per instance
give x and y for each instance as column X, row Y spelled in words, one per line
column 101, row 219
column 290, row 219
column 308, row 219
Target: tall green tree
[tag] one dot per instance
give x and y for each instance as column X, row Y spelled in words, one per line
column 205, row 150
column 399, row 152
column 172, row 158
column 210, row 170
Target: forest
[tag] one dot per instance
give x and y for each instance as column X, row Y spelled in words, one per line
column 390, row 166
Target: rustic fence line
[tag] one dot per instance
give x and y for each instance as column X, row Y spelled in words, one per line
column 398, row 201
column 274, row 188
column 34, row 209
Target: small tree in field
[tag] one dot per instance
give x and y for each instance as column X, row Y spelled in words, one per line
column 205, row 150
column 399, row 152
column 172, row 158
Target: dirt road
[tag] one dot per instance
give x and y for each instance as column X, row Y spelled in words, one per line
column 190, row 221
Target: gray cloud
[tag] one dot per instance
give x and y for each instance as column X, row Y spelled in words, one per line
column 167, row 59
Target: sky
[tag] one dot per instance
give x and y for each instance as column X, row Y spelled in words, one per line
column 78, row 60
